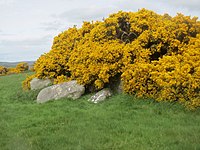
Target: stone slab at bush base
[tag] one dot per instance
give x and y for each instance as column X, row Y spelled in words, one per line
column 100, row 96
column 116, row 84
column 67, row 89
column 39, row 83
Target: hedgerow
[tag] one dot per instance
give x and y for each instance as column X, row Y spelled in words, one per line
column 156, row 56
column 21, row 67
column 3, row 70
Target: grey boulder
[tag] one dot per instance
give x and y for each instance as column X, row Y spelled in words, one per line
column 39, row 83
column 101, row 95
column 116, row 85
column 69, row 89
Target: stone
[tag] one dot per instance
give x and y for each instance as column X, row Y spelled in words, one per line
column 101, row 95
column 69, row 89
column 116, row 85
column 39, row 83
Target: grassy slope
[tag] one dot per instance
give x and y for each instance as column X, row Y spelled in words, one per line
column 120, row 123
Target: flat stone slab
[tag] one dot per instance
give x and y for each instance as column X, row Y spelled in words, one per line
column 101, row 95
column 69, row 89
column 39, row 83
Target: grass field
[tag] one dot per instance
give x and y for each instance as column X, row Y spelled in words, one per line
column 121, row 123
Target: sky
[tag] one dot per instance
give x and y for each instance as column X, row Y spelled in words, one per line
column 27, row 27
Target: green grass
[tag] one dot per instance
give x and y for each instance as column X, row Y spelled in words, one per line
column 121, row 123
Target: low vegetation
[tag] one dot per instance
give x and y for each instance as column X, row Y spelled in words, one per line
column 20, row 67
column 122, row 122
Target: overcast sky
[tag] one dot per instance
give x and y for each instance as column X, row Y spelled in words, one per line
column 27, row 27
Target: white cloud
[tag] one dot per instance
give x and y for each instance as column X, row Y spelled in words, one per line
column 86, row 13
column 24, row 49
column 51, row 26
column 188, row 4
column 6, row 2
column 27, row 28
column 27, row 42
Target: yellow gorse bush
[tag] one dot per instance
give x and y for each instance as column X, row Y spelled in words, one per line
column 21, row 67
column 3, row 70
column 156, row 56
column 26, row 83
column 95, row 63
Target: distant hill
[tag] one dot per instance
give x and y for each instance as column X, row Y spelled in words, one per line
column 13, row 64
